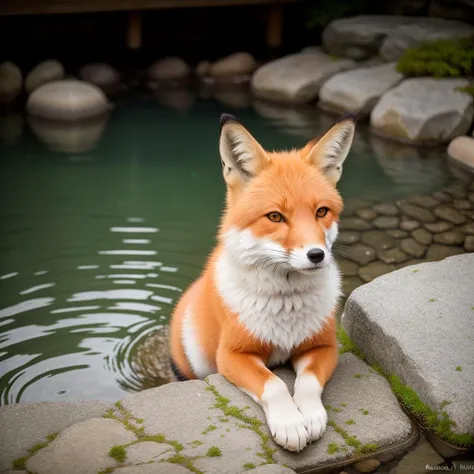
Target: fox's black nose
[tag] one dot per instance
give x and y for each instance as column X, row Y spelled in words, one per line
column 315, row 255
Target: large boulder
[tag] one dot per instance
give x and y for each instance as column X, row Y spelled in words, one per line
column 100, row 74
column 296, row 78
column 423, row 110
column 358, row 90
column 46, row 71
column 169, row 69
column 461, row 150
column 11, row 82
column 237, row 64
column 67, row 100
column 421, row 29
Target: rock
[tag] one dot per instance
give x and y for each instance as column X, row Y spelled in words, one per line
column 415, row 461
column 423, row 201
column 422, row 236
column 296, row 78
column 452, row 10
column 467, row 229
column 412, row 247
column 361, row 254
column 378, row 240
column 67, row 452
column 270, row 469
column 358, row 90
column 386, row 457
column 390, row 256
column 442, row 197
column 440, row 226
column 348, row 237
column 24, row 426
column 366, row 213
column 469, row 243
column 374, row 270
column 46, row 71
column 368, row 465
column 67, row 100
column 169, row 69
column 417, row 30
column 397, row 233
column 386, row 209
column 203, row 68
column 154, row 468
column 449, row 214
column 409, row 225
column 100, row 74
column 415, row 111
column 471, row 198
column 146, row 451
column 461, row 149
column 440, row 252
column 410, row 347
column 462, row 204
column 457, row 190
column 348, row 268
column 360, row 36
column 237, row 64
column 416, row 212
column 449, row 238
column 11, row 82
column 350, row 283
column 354, row 223
column 386, row 222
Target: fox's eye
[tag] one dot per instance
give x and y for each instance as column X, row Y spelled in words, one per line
column 275, row 217
column 322, row 211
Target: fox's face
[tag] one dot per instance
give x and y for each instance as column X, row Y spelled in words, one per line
column 282, row 207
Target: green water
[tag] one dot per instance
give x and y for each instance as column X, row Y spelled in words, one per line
column 98, row 240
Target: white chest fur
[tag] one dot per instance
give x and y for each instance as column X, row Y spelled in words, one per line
column 278, row 309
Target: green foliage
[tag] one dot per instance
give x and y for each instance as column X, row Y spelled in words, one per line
column 119, row 453
column 214, row 452
column 439, row 58
column 321, row 12
column 333, row 448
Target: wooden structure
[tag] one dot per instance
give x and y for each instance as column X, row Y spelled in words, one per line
column 136, row 8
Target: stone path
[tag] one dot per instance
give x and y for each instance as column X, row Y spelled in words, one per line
column 203, row 427
column 417, row 324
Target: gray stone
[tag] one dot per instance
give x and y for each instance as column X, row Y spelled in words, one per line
column 422, row 236
column 449, row 214
column 386, row 209
column 366, row 213
column 236, row 64
column 416, row 212
column 423, row 201
column 437, row 227
column 462, row 204
column 374, row 270
column 361, row 254
column 394, row 255
column 469, row 243
column 348, row 237
column 415, row 461
column 449, row 238
column 348, row 268
column 100, row 74
column 439, row 252
column 386, row 222
column 378, row 240
column 354, row 223
column 146, row 451
column 412, row 247
column 82, row 448
column 23, row 426
column 46, row 71
column 457, row 190
column 169, row 69
column 358, row 90
column 349, row 284
column 397, row 233
column 415, row 111
column 409, row 225
column 442, row 196
column 471, row 198
column 352, row 204
column 155, row 468
column 296, row 78
column 368, row 465
column 467, row 228
column 440, row 295
column 11, row 82
column 271, row 469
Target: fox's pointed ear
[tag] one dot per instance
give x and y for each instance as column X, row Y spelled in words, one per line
column 242, row 157
column 329, row 152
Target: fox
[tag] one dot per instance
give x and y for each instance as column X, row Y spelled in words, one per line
column 270, row 287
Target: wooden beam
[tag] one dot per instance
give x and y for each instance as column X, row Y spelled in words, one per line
column 275, row 25
column 134, row 32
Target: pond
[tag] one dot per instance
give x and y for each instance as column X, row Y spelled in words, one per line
column 103, row 228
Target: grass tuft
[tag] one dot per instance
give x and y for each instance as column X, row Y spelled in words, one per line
column 119, row 453
column 214, row 452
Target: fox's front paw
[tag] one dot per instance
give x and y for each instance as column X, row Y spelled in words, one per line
column 288, row 429
column 315, row 419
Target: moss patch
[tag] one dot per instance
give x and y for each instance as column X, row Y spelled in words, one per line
column 214, row 452
column 333, row 448
column 364, row 411
column 247, row 422
column 350, row 422
column 249, row 465
column 352, row 441
column 20, row 463
column 459, row 368
column 119, row 453
column 209, row 429
column 347, row 344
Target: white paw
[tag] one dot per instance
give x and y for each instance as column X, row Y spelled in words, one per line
column 315, row 419
column 288, row 429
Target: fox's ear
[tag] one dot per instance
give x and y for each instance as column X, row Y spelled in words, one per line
column 242, row 157
column 329, row 152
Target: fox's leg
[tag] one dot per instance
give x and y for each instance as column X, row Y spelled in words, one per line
column 313, row 368
column 248, row 372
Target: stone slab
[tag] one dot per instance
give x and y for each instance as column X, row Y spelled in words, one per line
column 419, row 325
column 23, row 426
column 154, row 468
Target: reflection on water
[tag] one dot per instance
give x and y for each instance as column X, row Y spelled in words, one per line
column 105, row 223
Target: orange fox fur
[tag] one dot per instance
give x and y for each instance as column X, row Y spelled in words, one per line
column 269, row 289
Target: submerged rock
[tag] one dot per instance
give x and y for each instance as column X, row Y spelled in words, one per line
column 169, row 69
column 46, row 71
column 296, row 78
column 11, row 82
column 415, row 111
column 101, row 75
